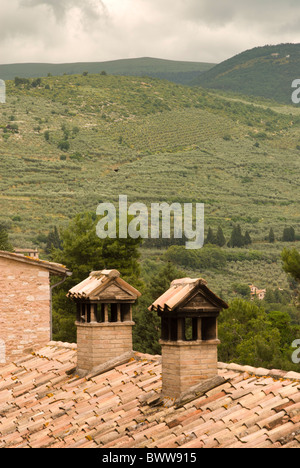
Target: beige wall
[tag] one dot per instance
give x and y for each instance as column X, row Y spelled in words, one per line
column 24, row 308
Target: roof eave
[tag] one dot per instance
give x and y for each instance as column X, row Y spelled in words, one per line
column 53, row 268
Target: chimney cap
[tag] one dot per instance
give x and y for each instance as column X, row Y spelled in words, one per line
column 108, row 273
column 104, row 285
column 181, row 290
column 184, row 281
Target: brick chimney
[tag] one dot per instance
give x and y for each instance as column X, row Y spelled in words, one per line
column 189, row 335
column 104, row 318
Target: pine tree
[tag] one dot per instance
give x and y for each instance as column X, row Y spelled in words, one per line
column 82, row 252
column 162, row 280
column 146, row 333
column 291, row 263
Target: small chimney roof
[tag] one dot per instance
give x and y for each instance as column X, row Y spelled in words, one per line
column 103, row 285
column 180, row 291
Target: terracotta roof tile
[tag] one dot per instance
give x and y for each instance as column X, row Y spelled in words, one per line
column 42, row 406
column 295, row 397
column 282, row 432
column 272, row 421
column 292, row 445
column 293, row 412
column 193, row 444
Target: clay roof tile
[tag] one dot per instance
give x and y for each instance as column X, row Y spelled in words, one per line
column 111, row 410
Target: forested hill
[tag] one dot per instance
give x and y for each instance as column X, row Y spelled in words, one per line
column 263, row 71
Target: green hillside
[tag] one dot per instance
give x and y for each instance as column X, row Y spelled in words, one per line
column 70, row 142
column 263, row 71
column 176, row 71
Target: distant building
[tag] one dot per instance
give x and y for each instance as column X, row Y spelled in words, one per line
column 2, row 92
column 258, row 293
column 33, row 253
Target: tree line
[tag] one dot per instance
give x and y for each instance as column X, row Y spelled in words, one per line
column 27, row 82
column 249, row 333
column 238, row 239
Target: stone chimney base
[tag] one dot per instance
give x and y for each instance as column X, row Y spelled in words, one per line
column 98, row 343
column 187, row 363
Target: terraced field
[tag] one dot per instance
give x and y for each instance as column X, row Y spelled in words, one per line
column 75, row 141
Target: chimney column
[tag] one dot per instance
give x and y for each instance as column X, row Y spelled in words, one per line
column 104, row 319
column 189, row 335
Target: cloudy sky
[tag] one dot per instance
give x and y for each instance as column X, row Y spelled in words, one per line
column 59, row 31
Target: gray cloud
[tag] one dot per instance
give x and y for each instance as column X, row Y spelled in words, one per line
column 98, row 30
column 50, row 30
column 222, row 12
column 89, row 10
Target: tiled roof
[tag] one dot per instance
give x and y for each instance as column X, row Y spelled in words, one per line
column 54, row 268
column 180, row 290
column 43, row 404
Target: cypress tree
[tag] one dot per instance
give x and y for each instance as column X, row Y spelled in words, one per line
column 271, row 236
column 210, row 239
column 220, row 238
column 289, row 235
column 53, row 240
column 236, row 239
column 4, row 240
column 247, row 238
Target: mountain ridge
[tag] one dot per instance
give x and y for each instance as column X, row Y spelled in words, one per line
column 181, row 72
